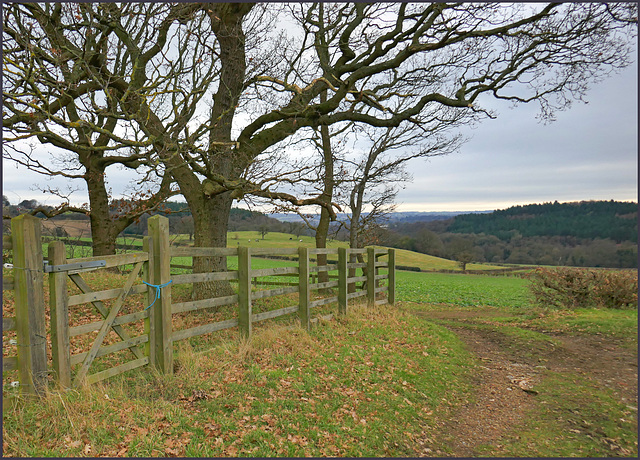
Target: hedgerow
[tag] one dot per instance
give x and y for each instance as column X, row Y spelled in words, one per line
column 577, row 287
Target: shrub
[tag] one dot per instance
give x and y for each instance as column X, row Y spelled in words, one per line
column 617, row 289
column 576, row 287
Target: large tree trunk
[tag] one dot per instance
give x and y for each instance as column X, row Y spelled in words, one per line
column 102, row 231
column 328, row 183
column 209, row 207
column 105, row 226
column 355, row 242
column 322, row 231
column 211, row 219
column 211, row 213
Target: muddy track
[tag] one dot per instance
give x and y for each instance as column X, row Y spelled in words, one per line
column 503, row 386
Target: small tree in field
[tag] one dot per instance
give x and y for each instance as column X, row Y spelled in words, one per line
column 263, row 229
column 464, row 258
column 461, row 250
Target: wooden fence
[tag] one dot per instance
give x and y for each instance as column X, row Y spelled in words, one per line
column 151, row 278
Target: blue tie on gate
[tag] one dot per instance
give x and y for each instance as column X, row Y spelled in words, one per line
column 158, row 287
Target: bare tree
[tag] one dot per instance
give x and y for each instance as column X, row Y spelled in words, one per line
column 213, row 89
column 48, row 99
column 263, row 229
column 379, row 170
column 462, row 250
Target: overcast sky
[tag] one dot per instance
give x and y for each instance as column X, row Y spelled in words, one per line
column 589, row 153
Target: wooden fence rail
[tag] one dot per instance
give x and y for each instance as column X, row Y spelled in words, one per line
column 151, row 277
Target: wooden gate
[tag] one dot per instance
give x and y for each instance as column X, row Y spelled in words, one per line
column 60, row 271
column 116, row 329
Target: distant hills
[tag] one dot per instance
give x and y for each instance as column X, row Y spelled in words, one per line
column 585, row 219
column 403, row 217
column 407, row 217
column 585, row 233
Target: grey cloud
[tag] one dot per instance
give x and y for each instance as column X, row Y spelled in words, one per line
column 589, row 152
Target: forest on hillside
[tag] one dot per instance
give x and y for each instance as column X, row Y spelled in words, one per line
column 586, row 219
column 584, row 234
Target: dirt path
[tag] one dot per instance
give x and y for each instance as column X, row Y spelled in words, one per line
column 503, row 386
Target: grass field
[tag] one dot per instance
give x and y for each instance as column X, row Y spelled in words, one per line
column 463, row 291
column 354, row 386
column 380, row 382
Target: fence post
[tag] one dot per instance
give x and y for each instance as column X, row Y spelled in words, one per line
column 29, row 297
column 371, row 276
column 303, row 288
column 149, row 346
column 59, row 308
column 160, row 315
column 343, row 273
column 391, row 293
column 244, row 291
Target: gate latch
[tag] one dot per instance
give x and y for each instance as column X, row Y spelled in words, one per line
column 78, row 266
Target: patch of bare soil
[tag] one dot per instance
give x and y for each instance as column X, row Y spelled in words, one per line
column 71, row 228
column 503, row 393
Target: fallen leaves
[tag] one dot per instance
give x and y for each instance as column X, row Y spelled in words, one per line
column 299, row 440
column 69, row 442
column 269, row 419
column 212, row 429
column 175, row 446
column 283, row 400
column 75, row 444
column 524, row 384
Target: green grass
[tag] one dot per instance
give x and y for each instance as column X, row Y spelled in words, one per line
column 275, row 240
column 618, row 324
column 463, row 290
column 253, row 239
column 575, row 415
column 352, row 387
column 373, row 383
column 429, row 263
